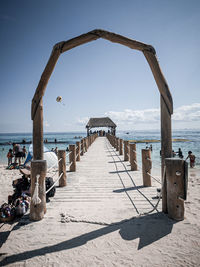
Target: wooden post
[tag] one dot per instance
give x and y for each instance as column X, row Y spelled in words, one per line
column 120, row 146
column 146, row 166
column 38, row 133
column 38, row 167
column 133, row 157
column 126, row 145
column 72, row 158
column 166, row 145
column 176, row 172
column 78, row 144
column 82, row 148
column 85, row 145
column 62, row 167
column 117, row 144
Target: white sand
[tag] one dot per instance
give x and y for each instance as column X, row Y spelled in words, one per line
column 97, row 195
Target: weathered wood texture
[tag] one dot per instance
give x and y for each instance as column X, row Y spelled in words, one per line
column 175, row 171
column 82, row 147
column 78, row 149
column 133, row 157
column 38, row 167
column 166, row 145
column 146, row 166
column 38, row 133
column 62, row 167
column 72, row 158
column 126, row 150
column 120, row 146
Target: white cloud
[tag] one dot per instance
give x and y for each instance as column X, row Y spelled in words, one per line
column 187, row 113
column 183, row 117
column 129, row 116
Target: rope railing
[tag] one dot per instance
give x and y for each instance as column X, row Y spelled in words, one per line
column 54, row 183
column 154, row 206
column 68, row 153
column 130, row 153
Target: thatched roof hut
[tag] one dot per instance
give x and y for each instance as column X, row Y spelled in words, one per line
column 101, row 122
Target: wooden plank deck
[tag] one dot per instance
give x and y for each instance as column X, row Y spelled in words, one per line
column 103, row 188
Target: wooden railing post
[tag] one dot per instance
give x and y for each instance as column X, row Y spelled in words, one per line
column 176, row 179
column 133, row 157
column 146, row 167
column 85, row 145
column 78, row 148
column 72, row 158
column 117, row 144
column 39, row 169
column 120, row 146
column 126, row 155
column 62, row 167
column 82, row 148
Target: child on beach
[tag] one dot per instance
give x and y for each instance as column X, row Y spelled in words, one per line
column 192, row 159
column 10, row 156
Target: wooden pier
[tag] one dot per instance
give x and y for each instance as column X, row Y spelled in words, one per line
column 104, row 188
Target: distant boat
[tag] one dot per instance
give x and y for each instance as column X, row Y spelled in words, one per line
column 127, row 133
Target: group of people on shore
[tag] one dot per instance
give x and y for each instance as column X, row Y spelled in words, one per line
column 190, row 156
column 18, row 153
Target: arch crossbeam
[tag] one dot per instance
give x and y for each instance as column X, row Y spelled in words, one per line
column 148, row 51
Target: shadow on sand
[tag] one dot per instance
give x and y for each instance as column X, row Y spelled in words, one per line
column 148, row 229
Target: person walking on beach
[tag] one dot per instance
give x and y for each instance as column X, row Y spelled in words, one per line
column 192, row 159
column 24, row 152
column 10, row 156
column 17, row 152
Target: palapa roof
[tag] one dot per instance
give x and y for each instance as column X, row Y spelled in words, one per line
column 100, row 122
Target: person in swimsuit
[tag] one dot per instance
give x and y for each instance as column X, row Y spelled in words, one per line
column 192, row 159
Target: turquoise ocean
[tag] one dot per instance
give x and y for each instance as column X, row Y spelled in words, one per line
column 193, row 143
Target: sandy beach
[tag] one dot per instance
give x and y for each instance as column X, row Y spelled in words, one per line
column 76, row 230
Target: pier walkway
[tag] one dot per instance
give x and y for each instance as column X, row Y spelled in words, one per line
column 103, row 189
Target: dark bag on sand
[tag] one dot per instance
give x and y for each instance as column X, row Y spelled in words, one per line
column 49, row 182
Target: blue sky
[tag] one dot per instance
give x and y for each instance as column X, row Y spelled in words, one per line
column 99, row 78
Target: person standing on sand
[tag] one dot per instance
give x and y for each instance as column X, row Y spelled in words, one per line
column 192, row 159
column 10, row 156
column 180, row 153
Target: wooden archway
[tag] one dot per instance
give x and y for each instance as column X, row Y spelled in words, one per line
column 150, row 55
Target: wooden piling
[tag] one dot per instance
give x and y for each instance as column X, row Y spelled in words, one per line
column 72, row 158
column 117, row 144
column 146, row 166
column 120, row 147
column 133, row 157
column 38, row 167
column 126, row 148
column 78, row 144
column 85, row 145
column 82, row 147
column 62, row 167
column 176, row 172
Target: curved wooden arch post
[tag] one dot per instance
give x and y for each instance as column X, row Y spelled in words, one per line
column 150, row 55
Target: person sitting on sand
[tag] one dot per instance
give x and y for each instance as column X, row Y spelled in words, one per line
column 10, row 156
column 192, row 159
